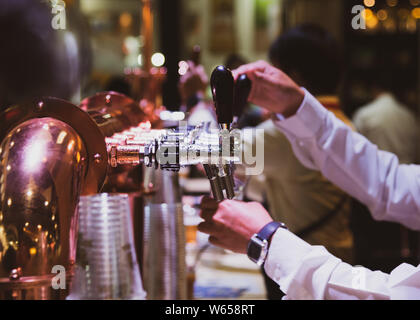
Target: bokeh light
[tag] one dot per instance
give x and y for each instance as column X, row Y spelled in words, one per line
column 369, row 3
column 158, row 59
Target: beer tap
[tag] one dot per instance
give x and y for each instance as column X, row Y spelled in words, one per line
column 242, row 89
column 222, row 87
column 171, row 149
column 220, row 175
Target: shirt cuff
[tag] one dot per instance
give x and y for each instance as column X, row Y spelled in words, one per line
column 302, row 271
column 285, row 255
column 308, row 119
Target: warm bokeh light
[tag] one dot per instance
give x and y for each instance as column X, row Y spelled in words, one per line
column 372, row 22
column 367, row 14
column 415, row 3
column 415, row 13
column 392, row 3
column 382, row 14
column 158, row 59
column 369, row 3
column 126, row 20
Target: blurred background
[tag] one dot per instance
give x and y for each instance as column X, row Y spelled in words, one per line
column 109, row 41
column 103, row 45
column 247, row 28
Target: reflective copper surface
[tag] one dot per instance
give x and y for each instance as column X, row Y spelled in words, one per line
column 80, row 121
column 51, row 152
column 42, row 165
column 113, row 112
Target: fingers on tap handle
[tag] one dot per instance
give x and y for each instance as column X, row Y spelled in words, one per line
column 242, row 89
column 222, row 87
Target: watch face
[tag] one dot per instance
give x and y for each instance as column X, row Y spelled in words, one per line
column 257, row 250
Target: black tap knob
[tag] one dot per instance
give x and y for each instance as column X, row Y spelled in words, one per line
column 222, row 85
column 242, row 89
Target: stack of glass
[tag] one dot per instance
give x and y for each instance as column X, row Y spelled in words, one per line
column 106, row 263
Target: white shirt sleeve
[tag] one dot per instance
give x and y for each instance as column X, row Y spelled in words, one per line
column 349, row 160
column 306, row 272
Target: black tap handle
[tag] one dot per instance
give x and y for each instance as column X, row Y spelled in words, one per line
column 242, row 89
column 222, row 86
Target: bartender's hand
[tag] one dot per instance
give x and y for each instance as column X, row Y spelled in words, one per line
column 232, row 223
column 272, row 88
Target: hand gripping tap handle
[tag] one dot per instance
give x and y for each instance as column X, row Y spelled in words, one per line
column 222, row 86
column 242, row 90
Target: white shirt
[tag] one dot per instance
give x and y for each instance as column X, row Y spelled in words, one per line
column 298, row 196
column 388, row 123
column 390, row 190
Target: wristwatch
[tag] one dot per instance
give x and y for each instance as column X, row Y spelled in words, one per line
column 258, row 245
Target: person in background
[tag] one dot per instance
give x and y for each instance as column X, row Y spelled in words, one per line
column 192, row 87
column 311, row 206
column 387, row 122
column 322, row 142
column 392, row 127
